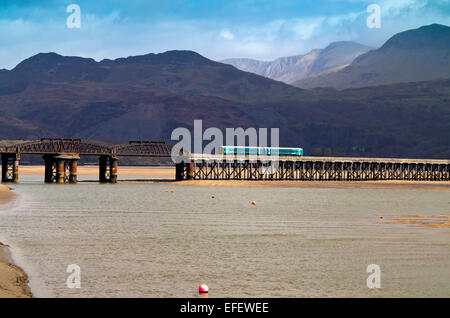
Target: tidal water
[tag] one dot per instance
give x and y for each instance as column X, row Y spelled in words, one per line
column 137, row 240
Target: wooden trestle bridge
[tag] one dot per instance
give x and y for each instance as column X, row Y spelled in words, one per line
column 61, row 157
column 221, row 167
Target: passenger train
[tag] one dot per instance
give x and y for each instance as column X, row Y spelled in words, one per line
column 240, row 150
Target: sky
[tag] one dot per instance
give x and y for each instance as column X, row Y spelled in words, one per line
column 217, row 29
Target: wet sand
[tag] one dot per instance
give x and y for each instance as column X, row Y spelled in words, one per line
column 5, row 194
column 13, row 280
column 150, row 171
column 168, row 175
column 435, row 221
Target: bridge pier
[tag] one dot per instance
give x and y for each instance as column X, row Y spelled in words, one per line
column 10, row 167
column 184, row 171
column 108, row 169
column 190, row 171
column 113, row 168
column 179, row 171
column 73, row 176
column 61, row 168
column 60, row 171
column 103, row 169
column 48, row 175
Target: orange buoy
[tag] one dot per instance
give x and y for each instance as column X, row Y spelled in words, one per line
column 203, row 289
column 253, row 203
column 167, row 190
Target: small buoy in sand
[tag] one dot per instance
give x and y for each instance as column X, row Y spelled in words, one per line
column 167, row 190
column 203, row 289
column 213, row 197
column 253, row 203
column 171, row 191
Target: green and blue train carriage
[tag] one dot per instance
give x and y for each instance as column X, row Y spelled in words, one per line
column 242, row 150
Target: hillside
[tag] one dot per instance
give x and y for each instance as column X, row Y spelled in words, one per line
column 184, row 72
column 146, row 97
column 415, row 55
column 292, row 68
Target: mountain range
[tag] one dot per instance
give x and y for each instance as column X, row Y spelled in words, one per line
column 145, row 97
column 411, row 56
column 293, row 68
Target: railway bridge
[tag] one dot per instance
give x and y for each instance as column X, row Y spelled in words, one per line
column 61, row 157
column 226, row 167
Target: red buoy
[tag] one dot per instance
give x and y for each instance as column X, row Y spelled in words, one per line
column 213, row 196
column 203, row 289
column 253, row 203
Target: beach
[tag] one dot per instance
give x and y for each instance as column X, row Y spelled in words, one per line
column 13, row 280
column 5, row 194
column 90, row 170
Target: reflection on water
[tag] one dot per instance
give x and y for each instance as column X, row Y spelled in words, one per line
column 137, row 240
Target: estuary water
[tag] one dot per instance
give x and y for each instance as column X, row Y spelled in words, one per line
column 142, row 240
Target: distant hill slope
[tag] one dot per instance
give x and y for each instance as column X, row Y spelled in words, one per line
column 139, row 97
column 416, row 55
column 146, row 97
column 172, row 71
column 292, row 68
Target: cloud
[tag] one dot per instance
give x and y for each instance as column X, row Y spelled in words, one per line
column 304, row 29
column 394, row 8
column 283, row 37
column 226, row 34
column 263, row 29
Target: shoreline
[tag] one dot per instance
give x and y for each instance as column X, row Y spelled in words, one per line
column 5, row 194
column 14, row 282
